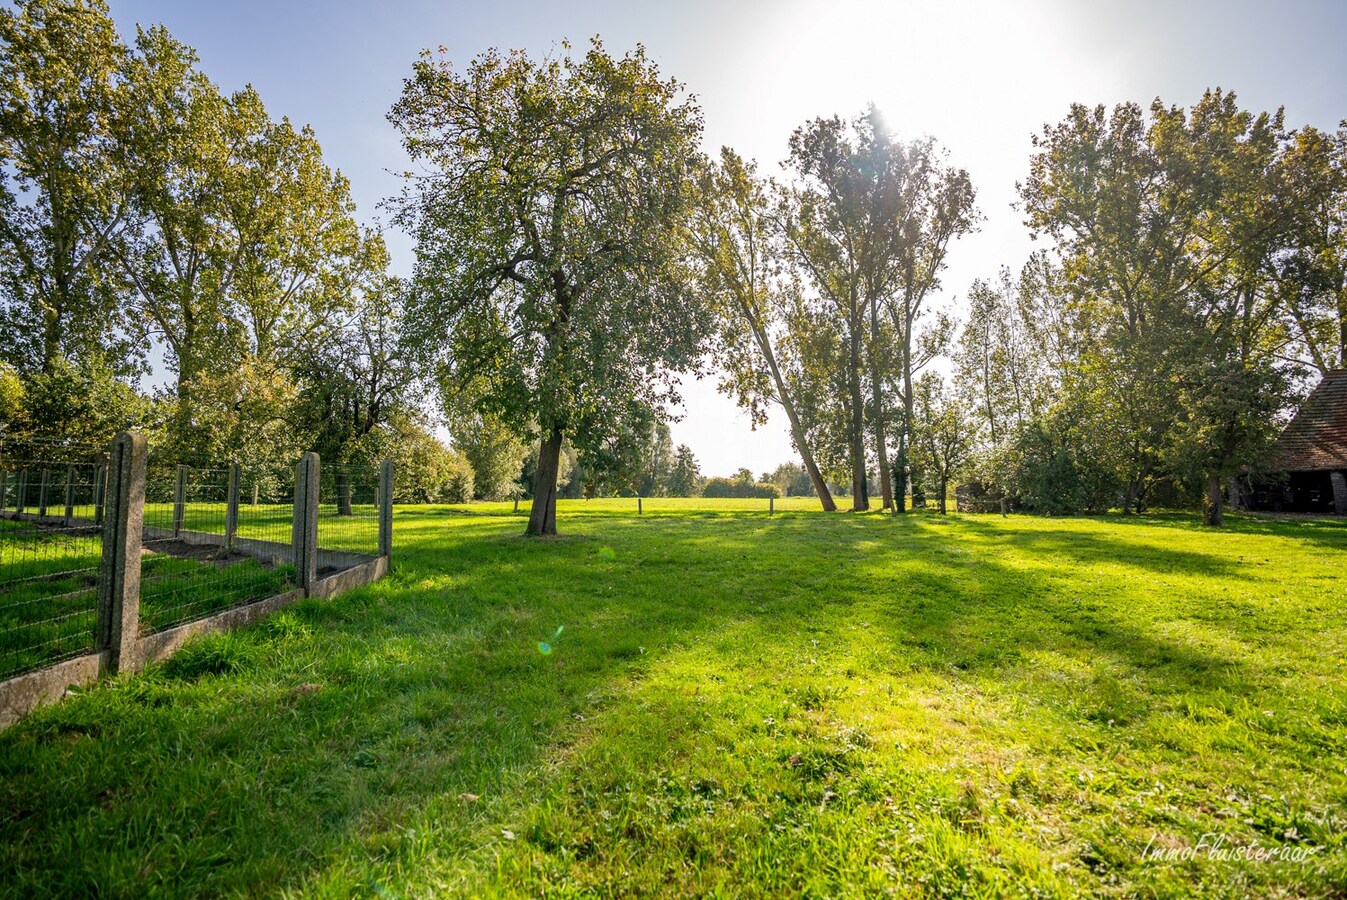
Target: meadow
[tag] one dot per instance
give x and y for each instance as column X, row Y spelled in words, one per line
column 708, row 700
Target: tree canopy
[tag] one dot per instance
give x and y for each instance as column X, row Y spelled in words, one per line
column 550, row 227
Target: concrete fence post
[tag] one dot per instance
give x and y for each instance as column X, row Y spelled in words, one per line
column 179, row 500
column 42, row 494
column 119, row 573
column 232, row 506
column 304, row 529
column 23, row 491
column 100, row 492
column 69, row 495
column 386, row 509
column 640, row 509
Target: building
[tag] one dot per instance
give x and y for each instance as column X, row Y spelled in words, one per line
column 1312, row 451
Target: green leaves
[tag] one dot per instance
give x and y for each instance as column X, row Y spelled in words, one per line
column 551, row 236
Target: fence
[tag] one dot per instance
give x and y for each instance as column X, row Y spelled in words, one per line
column 51, row 510
column 111, row 560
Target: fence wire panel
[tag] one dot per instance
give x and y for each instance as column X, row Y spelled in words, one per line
column 348, row 509
column 51, row 547
column 267, row 507
column 199, row 558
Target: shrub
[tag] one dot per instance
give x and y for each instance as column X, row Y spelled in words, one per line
column 733, row 487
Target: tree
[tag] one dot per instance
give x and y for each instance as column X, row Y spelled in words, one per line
column 823, row 215
column 1234, row 376
column 933, row 205
column 1122, row 209
column 355, row 380
column 1180, row 238
column 551, row 232
column 63, row 196
column 83, row 404
column 12, row 398
column 790, row 478
column 999, row 363
column 740, row 253
column 245, row 242
column 871, row 220
column 944, row 433
column 685, row 478
column 493, row 449
column 426, row 471
column 657, row 463
column 1313, row 271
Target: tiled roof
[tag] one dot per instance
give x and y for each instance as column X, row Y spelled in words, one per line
column 1317, row 437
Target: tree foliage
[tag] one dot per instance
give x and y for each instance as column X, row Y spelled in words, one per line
column 549, row 229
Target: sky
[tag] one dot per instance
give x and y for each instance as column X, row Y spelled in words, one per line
column 982, row 78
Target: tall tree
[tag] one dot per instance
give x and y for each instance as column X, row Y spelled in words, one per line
column 996, row 360
column 871, row 219
column 657, row 463
column 823, row 214
column 685, row 479
column 246, row 242
column 740, row 253
column 63, row 196
column 945, row 432
column 1234, row 376
column 1122, row 212
column 1313, row 270
column 937, row 206
column 1177, row 234
column 550, row 237
column 355, row 380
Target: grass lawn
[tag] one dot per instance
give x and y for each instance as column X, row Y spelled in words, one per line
column 712, row 701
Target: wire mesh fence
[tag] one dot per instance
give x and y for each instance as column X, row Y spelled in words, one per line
column 51, row 498
column 205, row 550
column 210, row 539
column 348, row 509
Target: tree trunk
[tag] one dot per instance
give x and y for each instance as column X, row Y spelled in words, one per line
column 807, row 457
column 881, row 451
column 543, row 517
column 944, row 487
column 860, row 499
column 1214, row 513
column 900, row 474
column 906, row 440
column 343, row 480
column 1342, row 323
column 877, row 399
column 796, row 429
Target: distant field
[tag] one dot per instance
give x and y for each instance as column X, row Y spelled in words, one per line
column 708, row 700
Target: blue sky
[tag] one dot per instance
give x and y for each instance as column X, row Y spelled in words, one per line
column 980, row 77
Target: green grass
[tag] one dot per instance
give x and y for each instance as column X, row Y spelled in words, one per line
column 844, row 705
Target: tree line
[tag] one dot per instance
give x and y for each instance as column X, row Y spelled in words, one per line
column 577, row 255
column 150, row 219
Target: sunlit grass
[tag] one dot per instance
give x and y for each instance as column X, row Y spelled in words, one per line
column 842, row 705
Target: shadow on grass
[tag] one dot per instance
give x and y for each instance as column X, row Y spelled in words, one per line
column 329, row 735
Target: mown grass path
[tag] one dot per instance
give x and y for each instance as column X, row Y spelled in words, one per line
column 844, row 705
